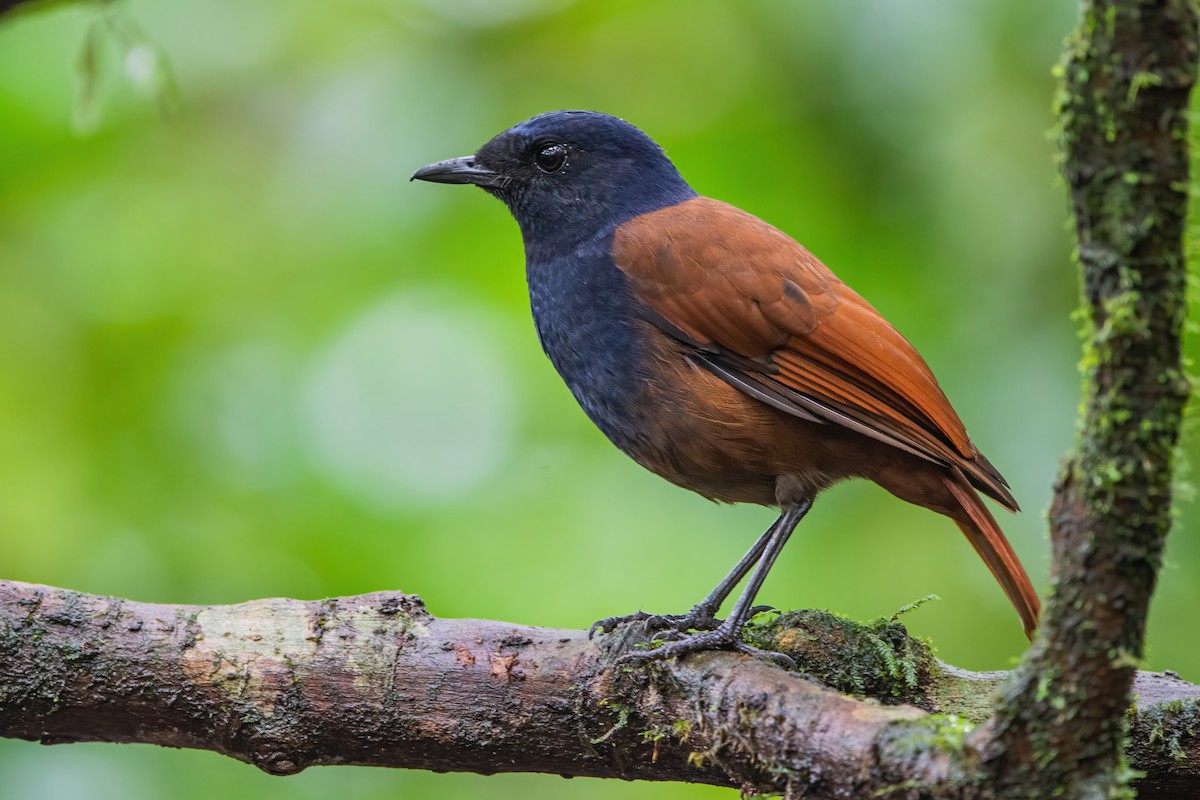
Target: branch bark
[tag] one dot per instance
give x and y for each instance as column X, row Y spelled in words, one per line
column 376, row 680
column 1128, row 74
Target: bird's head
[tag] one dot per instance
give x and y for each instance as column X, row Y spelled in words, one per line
column 569, row 175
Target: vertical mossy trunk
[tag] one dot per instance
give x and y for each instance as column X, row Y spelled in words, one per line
column 1127, row 75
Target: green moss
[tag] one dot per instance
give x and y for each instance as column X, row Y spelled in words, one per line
column 946, row 733
column 622, row 720
column 876, row 659
column 680, row 729
column 1141, row 80
column 654, row 734
column 1168, row 728
column 1117, row 223
column 1118, row 135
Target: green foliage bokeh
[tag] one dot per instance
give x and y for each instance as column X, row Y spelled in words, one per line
column 242, row 356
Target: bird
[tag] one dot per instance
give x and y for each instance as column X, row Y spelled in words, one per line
column 719, row 353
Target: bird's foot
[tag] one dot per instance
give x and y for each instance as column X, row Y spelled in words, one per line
column 667, row 626
column 723, row 637
column 700, row 618
column 651, row 622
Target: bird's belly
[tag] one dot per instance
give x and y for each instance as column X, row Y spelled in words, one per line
column 700, row 433
column 686, row 456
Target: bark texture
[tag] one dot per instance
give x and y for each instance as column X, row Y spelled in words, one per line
column 1123, row 115
column 376, row 680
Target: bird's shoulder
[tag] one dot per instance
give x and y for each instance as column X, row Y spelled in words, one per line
column 724, row 275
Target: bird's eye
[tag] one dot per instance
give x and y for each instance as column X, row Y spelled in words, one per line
column 551, row 158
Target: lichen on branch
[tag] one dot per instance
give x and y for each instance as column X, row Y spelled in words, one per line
column 1126, row 78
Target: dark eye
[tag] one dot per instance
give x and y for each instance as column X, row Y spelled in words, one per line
column 551, row 158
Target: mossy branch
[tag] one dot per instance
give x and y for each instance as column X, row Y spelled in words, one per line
column 376, row 680
column 1127, row 76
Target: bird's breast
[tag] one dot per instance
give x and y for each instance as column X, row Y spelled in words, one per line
column 584, row 314
column 639, row 387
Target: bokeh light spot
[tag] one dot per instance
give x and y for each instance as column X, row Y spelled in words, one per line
column 411, row 402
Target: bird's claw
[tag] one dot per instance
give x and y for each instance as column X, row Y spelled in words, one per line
column 672, row 625
column 606, row 625
column 650, row 622
column 698, row 619
column 721, row 638
column 675, row 635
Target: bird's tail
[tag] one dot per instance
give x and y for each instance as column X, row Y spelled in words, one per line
column 984, row 534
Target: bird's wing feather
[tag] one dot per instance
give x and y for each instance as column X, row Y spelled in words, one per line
column 768, row 317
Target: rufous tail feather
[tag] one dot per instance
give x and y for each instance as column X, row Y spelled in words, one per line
column 984, row 534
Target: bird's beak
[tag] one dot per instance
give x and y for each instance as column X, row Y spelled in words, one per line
column 456, row 170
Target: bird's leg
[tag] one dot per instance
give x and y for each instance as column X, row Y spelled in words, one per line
column 728, row 635
column 703, row 616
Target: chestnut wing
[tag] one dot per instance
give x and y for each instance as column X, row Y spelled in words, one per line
column 767, row 316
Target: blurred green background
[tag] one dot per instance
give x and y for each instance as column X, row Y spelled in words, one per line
column 242, row 356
